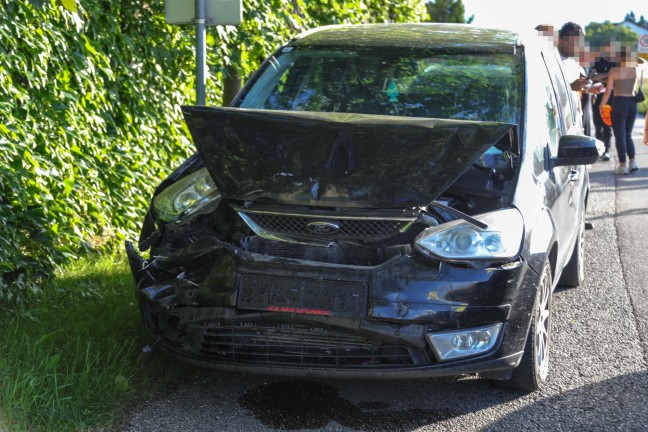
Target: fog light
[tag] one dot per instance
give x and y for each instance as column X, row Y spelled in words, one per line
column 464, row 343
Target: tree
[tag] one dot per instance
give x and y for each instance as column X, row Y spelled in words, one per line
column 642, row 22
column 447, row 11
column 599, row 34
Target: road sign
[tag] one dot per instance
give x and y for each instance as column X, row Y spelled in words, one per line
column 217, row 12
column 642, row 47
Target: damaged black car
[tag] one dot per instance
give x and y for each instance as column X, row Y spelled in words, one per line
column 379, row 201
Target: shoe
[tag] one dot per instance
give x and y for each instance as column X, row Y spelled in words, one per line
column 622, row 170
column 633, row 166
column 605, row 156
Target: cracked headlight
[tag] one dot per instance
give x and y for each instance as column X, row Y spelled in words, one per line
column 460, row 240
column 185, row 196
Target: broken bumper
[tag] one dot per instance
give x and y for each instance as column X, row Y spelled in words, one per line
column 214, row 305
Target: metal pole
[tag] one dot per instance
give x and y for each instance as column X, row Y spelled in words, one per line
column 200, row 52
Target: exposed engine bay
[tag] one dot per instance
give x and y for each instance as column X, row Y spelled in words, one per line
column 262, row 197
column 339, row 235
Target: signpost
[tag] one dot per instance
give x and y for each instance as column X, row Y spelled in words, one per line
column 642, row 47
column 202, row 13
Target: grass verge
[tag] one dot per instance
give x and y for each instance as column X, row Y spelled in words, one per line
column 75, row 363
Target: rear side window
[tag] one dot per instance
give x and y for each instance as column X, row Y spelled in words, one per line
column 388, row 81
column 563, row 93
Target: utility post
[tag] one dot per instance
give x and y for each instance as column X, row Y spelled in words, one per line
column 202, row 13
column 201, row 52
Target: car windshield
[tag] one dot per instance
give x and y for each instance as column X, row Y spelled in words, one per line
column 391, row 81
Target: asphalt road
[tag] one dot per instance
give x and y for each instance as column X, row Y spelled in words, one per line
column 599, row 358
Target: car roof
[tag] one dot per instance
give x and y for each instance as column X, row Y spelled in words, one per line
column 450, row 37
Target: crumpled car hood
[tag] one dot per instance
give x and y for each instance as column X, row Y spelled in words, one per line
column 335, row 159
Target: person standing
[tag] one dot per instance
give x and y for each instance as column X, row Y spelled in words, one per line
column 602, row 132
column 571, row 46
column 622, row 80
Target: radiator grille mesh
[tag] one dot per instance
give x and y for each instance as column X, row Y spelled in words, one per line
column 296, row 345
column 350, row 229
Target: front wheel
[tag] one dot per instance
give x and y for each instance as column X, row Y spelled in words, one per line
column 531, row 374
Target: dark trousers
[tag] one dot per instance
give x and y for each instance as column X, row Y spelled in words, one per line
column 624, row 113
column 602, row 131
column 586, row 105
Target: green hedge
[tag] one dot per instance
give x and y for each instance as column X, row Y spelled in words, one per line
column 90, row 108
column 89, row 102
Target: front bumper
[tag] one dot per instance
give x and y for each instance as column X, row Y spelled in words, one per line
column 200, row 305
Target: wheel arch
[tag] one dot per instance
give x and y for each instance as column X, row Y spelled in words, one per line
column 542, row 243
column 553, row 258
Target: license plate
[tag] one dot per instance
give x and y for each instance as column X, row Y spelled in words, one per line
column 302, row 296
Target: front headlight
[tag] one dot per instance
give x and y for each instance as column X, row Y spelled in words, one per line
column 185, row 196
column 460, row 240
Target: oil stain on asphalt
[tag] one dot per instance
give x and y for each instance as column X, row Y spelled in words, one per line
column 309, row 405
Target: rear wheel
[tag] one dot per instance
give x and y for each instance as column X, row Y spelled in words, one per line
column 574, row 272
column 532, row 372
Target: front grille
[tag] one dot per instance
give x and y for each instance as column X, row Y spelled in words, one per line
column 296, row 345
column 348, row 228
column 334, row 253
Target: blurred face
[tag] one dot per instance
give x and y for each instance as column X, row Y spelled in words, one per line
column 586, row 57
column 614, row 51
column 548, row 32
column 628, row 58
column 572, row 46
column 625, row 56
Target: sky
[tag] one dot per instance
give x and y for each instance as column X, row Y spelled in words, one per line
column 527, row 14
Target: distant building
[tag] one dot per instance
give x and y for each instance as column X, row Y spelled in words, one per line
column 641, row 28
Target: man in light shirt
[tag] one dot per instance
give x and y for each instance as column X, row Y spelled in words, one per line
column 571, row 46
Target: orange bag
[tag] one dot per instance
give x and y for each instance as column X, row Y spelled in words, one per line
column 606, row 114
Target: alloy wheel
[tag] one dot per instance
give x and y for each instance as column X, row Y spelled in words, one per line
column 543, row 327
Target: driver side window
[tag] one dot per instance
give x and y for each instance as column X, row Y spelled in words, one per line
column 551, row 128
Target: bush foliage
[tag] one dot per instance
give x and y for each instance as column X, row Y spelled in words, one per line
column 90, row 95
column 90, row 108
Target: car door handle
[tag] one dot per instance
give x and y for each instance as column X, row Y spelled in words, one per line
column 574, row 175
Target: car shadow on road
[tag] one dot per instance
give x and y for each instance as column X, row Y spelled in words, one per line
column 612, row 215
column 617, row 403
column 368, row 405
column 309, row 404
column 302, row 404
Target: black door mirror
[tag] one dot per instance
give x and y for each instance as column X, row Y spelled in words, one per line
column 577, row 150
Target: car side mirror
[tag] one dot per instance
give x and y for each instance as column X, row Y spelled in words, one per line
column 577, row 150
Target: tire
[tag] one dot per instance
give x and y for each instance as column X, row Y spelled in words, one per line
column 531, row 374
column 574, row 272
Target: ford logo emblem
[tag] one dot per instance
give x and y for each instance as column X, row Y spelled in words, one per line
column 321, row 227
